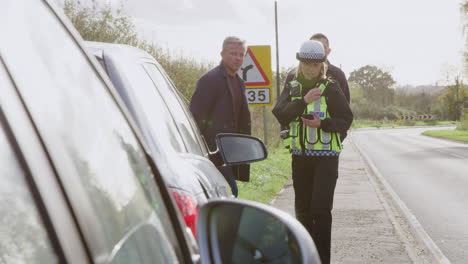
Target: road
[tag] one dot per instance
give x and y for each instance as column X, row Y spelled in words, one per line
column 430, row 176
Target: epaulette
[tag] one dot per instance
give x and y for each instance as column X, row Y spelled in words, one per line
column 295, row 88
column 294, row 83
column 328, row 80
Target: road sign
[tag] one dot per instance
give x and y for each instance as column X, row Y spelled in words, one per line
column 416, row 117
column 257, row 96
column 252, row 72
column 256, row 73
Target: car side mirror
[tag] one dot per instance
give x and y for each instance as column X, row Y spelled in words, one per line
column 236, row 149
column 239, row 231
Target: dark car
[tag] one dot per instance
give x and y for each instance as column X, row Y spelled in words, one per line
column 168, row 127
column 78, row 184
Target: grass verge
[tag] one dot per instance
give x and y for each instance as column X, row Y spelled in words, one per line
column 375, row 123
column 267, row 177
column 459, row 135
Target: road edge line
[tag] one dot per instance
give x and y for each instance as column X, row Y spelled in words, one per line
column 286, row 185
column 413, row 222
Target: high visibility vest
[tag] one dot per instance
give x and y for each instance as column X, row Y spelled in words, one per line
column 304, row 140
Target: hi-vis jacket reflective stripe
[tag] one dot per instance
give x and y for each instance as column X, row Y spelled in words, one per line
column 302, row 137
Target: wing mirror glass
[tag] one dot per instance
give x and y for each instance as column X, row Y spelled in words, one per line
column 238, row 149
column 235, row 231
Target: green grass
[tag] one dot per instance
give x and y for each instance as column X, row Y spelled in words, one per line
column 375, row 123
column 463, row 125
column 460, row 135
column 267, row 177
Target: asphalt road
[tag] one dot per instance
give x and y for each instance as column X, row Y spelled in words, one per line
column 430, row 176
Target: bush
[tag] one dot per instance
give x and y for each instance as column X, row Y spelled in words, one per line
column 101, row 24
column 364, row 109
column 431, row 122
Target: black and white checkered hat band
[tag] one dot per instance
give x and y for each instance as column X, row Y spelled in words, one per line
column 311, row 56
column 311, row 51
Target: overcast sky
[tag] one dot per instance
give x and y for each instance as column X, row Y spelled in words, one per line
column 413, row 39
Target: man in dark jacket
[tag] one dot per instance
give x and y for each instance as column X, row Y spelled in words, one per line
column 219, row 104
column 334, row 72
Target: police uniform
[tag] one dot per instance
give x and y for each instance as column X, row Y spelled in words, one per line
column 315, row 151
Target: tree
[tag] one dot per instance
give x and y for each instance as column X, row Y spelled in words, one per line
column 356, row 92
column 453, row 98
column 375, row 83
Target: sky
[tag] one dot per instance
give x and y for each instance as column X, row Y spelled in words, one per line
column 415, row 40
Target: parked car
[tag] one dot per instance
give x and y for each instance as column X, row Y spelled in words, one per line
column 78, row 183
column 168, row 127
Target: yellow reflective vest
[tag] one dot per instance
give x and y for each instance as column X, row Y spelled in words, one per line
column 309, row 141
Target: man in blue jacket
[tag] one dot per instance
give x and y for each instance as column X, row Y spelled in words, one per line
column 219, row 104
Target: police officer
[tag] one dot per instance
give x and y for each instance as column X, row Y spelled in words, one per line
column 313, row 112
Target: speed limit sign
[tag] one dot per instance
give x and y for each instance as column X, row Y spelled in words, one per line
column 258, row 95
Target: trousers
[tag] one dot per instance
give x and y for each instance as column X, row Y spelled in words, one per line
column 314, row 182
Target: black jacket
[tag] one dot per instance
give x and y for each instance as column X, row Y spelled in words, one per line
column 341, row 116
column 338, row 75
column 213, row 110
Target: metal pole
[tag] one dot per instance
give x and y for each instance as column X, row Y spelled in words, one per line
column 265, row 126
column 277, row 52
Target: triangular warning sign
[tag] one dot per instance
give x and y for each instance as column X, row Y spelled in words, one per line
column 251, row 71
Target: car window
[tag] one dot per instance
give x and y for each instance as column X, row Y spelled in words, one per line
column 155, row 114
column 23, row 236
column 101, row 165
column 177, row 108
column 139, row 248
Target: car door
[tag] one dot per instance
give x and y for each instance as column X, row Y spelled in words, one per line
column 197, row 152
column 26, row 231
column 170, row 135
column 152, row 117
column 121, row 213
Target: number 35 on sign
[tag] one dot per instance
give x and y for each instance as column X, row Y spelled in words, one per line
column 258, row 96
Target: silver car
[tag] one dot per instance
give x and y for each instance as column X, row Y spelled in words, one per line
column 168, row 127
column 78, row 184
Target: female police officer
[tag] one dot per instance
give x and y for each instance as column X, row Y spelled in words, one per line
column 313, row 112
